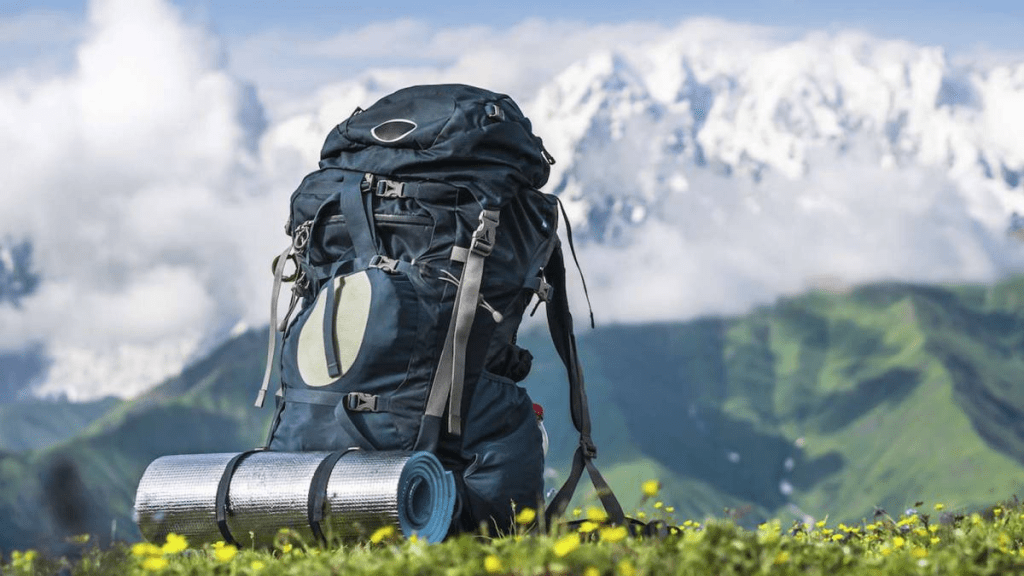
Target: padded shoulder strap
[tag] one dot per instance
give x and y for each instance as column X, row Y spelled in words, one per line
column 560, row 325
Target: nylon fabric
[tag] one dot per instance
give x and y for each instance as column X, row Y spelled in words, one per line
column 417, row 214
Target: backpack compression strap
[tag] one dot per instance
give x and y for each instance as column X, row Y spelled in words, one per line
column 560, row 325
column 446, row 389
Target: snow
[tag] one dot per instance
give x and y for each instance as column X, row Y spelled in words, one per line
column 707, row 170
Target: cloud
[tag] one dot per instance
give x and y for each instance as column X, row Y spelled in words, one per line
column 153, row 181
column 725, row 245
column 516, row 60
column 136, row 178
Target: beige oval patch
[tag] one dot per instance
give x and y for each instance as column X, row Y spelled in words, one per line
column 351, row 315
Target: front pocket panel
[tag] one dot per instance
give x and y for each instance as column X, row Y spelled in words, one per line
column 353, row 296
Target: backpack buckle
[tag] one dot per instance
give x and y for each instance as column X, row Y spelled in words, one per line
column 381, row 186
column 390, row 188
column 485, row 234
column 360, row 402
column 389, row 265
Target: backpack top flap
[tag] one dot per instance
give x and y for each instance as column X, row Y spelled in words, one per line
column 466, row 136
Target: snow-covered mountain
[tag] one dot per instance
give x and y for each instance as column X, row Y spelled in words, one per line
column 633, row 127
column 705, row 171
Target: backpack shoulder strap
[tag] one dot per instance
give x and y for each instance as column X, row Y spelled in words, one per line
column 560, row 326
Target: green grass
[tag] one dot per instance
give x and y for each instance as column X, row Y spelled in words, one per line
column 930, row 540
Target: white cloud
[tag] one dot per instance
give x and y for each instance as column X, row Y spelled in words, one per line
column 155, row 195
column 136, row 178
column 756, row 241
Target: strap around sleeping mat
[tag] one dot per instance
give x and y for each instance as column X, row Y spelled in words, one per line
column 223, row 489
column 318, row 492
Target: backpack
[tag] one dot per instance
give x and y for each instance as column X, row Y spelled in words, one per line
column 416, row 248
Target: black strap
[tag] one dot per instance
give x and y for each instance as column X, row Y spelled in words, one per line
column 362, row 234
column 223, row 487
column 357, row 221
column 560, row 326
column 572, row 249
column 318, row 492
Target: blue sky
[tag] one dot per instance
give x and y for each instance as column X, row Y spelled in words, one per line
column 955, row 24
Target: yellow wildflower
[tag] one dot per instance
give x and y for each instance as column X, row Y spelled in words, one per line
column 526, row 516
column 936, row 540
column 566, row 544
column 382, row 533
column 837, row 537
column 591, row 571
column 257, row 565
column 920, row 532
column 626, row 569
column 659, row 504
column 898, row 541
column 577, row 512
column 23, row 560
column 940, row 506
column 596, row 514
column 933, row 528
column 670, row 509
column 616, row 534
column 155, row 563
column 918, row 552
column 820, row 523
column 225, row 553
column 145, row 549
column 493, row 565
column 641, row 514
column 589, row 526
column 175, row 543
column 782, row 557
column 651, row 488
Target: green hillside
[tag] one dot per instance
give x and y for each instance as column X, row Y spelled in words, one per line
column 34, row 424
column 883, row 396
column 821, row 404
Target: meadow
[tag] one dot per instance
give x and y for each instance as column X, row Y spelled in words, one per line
column 925, row 539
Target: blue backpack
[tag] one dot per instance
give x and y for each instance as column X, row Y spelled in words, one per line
column 416, row 248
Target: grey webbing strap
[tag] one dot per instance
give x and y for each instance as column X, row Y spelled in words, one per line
column 272, row 340
column 320, row 397
column 451, row 369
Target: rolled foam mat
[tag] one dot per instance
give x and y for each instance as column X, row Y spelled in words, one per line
column 340, row 495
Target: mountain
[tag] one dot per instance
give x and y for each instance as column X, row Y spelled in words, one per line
column 87, row 483
column 642, row 132
column 753, row 165
column 829, row 403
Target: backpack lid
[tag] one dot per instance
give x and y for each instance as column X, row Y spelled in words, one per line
column 459, row 134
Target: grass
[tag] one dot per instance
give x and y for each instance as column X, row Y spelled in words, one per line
column 930, row 540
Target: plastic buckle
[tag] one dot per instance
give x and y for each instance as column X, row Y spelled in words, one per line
column 543, row 291
column 389, row 265
column 368, row 183
column 360, row 402
column 390, row 188
column 485, row 234
column 494, row 111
